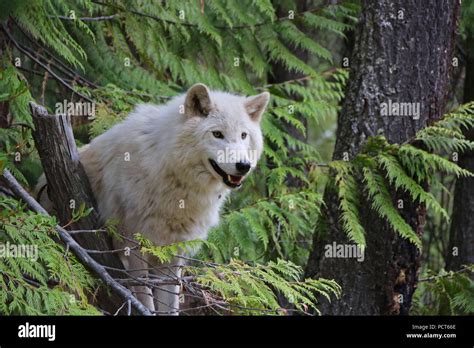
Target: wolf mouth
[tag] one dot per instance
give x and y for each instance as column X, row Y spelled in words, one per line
column 232, row 181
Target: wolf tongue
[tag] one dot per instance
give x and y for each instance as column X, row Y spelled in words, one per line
column 233, row 179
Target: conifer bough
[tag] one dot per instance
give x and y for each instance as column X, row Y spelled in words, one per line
column 80, row 253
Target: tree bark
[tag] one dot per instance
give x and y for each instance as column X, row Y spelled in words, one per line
column 402, row 53
column 461, row 241
column 68, row 188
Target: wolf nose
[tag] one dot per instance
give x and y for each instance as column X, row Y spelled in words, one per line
column 243, row 167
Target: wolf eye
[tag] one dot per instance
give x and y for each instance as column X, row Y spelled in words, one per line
column 244, row 135
column 218, row 135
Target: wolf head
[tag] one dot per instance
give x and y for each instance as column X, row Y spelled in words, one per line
column 228, row 125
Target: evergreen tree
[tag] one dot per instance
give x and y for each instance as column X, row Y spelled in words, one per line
column 395, row 182
column 119, row 53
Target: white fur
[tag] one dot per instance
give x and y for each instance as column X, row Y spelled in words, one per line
column 169, row 167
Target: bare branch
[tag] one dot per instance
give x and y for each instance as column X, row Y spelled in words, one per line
column 86, row 231
column 225, row 27
column 156, row 283
column 90, row 251
column 464, row 269
column 64, row 68
column 87, row 19
column 80, row 253
column 44, row 66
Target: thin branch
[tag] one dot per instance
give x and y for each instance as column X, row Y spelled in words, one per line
column 324, row 74
column 85, row 231
column 89, row 251
column 88, row 19
column 157, row 268
column 34, row 72
column 120, row 308
column 22, row 124
column 206, row 263
column 44, row 66
column 159, row 281
column 61, row 66
column 224, row 27
column 80, row 253
column 141, row 14
column 447, row 275
column 73, row 75
column 6, row 192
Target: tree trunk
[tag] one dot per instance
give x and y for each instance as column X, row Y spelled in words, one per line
column 461, row 242
column 402, row 53
column 68, row 188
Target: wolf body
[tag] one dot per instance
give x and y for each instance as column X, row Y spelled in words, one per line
column 165, row 171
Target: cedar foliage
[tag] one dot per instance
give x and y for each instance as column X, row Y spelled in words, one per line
column 49, row 282
column 150, row 51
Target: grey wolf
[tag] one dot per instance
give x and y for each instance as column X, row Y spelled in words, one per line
column 166, row 170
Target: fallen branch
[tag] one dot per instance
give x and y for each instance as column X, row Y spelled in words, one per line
column 80, row 253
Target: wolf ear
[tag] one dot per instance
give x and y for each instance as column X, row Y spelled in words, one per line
column 198, row 101
column 256, row 105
